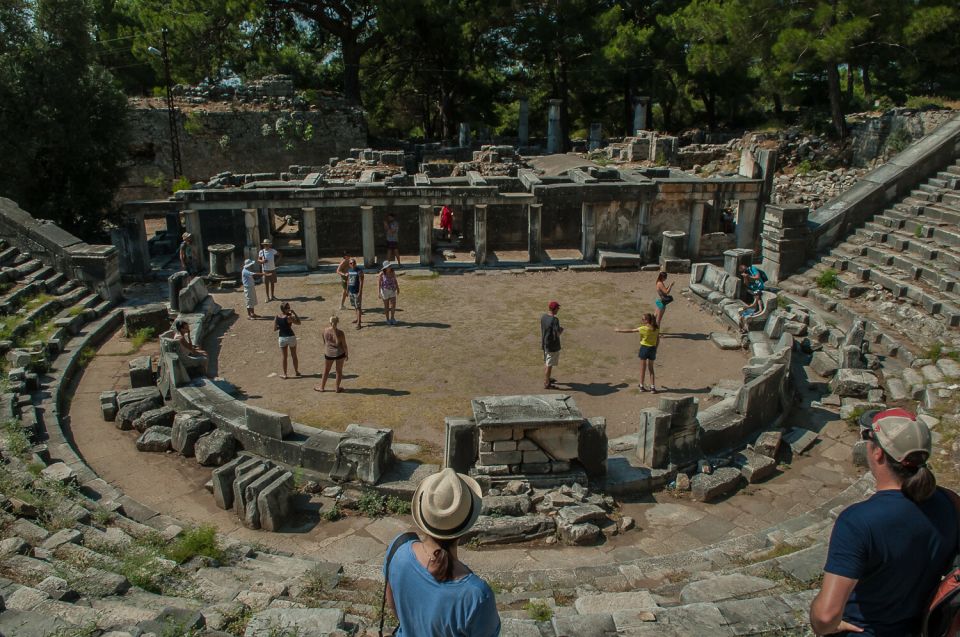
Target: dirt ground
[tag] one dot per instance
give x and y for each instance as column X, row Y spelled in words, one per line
column 463, row 336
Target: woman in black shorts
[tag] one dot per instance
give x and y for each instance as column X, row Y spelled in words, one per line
column 334, row 351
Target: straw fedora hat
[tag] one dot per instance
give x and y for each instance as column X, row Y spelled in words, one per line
column 446, row 504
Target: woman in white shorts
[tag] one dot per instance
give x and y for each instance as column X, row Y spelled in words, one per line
column 388, row 290
column 283, row 324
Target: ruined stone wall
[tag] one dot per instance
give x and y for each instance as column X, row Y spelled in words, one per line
column 215, row 141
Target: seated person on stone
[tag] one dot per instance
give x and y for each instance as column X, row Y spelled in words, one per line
column 192, row 357
column 753, row 309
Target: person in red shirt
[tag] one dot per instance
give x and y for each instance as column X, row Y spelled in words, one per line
column 446, row 221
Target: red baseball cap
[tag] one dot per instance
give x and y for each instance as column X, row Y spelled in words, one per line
column 553, row 305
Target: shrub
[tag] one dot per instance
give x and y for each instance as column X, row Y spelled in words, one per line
column 398, row 506
column 201, row 540
column 193, row 124
column 538, row 610
column 140, row 337
column 18, row 443
column 918, row 232
column 181, row 183
column 372, row 504
column 332, row 514
column 86, row 355
column 828, row 279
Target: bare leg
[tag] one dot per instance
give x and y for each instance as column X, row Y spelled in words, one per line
column 326, row 372
column 386, row 310
column 653, row 378
column 393, row 309
column 359, row 320
column 343, row 298
column 339, row 373
column 546, row 376
column 296, row 363
column 643, row 372
column 284, row 350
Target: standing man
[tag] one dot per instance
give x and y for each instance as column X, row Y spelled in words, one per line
column 342, row 270
column 550, row 332
column 392, row 229
column 248, row 278
column 267, row 258
column 186, row 254
column 887, row 553
column 355, row 290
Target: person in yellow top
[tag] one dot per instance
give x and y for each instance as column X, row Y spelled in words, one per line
column 649, row 335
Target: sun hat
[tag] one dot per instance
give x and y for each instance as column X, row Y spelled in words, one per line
column 387, row 264
column 900, row 434
column 266, row 242
column 446, row 504
column 249, row 263
column 553, row 305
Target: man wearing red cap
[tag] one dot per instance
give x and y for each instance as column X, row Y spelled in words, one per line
column 887, row 553
column 550, row 332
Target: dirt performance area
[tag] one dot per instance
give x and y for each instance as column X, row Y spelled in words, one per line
column 469, row 335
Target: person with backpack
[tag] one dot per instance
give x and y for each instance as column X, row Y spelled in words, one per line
column 550, row 332
column 753, row 277
column 887, row 554
column 431, row 591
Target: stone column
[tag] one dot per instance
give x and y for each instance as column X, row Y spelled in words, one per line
column 588, row 232
column 534, row 233
column 464, row 135
column 251, row 222
column 366, row 229
column 640, row 107
column 696, row 230
column 191, row 221
column 426, row 235
column 747, row 223
column 674, row 244
column 643, row 220
column 311, row 247
column 480, row 232
column 523, row 126
column 733, row 259
column 221, row 260
column 554, row 141
column 596, row 136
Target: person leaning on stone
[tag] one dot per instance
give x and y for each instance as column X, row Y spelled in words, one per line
column 431, row 591
column 186, row 254
column 192, row 357
column 550, row 332
column 887, row 553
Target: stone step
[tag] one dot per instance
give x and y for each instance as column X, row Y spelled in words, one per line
column 936, row 182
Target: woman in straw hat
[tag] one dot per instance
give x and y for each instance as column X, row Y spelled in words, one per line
column 431, row 591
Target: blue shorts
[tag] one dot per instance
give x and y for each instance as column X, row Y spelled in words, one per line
column 660, row 305
column 648, row 353
column 748, row 312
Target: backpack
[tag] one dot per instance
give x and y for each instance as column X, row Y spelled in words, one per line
column 942, row 615
column 761, row 274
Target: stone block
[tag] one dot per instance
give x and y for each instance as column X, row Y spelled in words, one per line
column 859, row 453
column 155, row 439
column 724, row 587
column 223, row 477
column 558, row 442
column 581, row 513
column 131, row 411
column 267, row 422
column 319, row 452
column 505, row 530
column 245, row 478
column 755, row 467
column 800, row 439
column 896, row 390
column 597, row 604
column 536, row 467
column 592, row 446
column 534, row 457
column 949, row 367
column 138, row 395
column 493, row 434
column 100, row 583
column 188, row 426
column 854, row 382
column 154, row 316
column 768, row 443
column 141, row 372
column 251, row 493
column 59, row 472
column 295, row 621
column 160, row 417
column 274, row 502
column 652, row 447
column 513, row 505
column 501, row 457
column 364, row 454
column 108, row 405
column 725, row 341
column 215, row 448
column 192, row 295
column 578, row 534
column 932, row 374
column 823, row 364
column 462, row 444
column 708, row 486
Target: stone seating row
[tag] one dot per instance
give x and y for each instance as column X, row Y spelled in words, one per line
column 723, row 290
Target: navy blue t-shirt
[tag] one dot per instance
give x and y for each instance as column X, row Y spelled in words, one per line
column 897, row 550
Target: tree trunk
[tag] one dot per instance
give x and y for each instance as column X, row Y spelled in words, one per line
column 778, row 105
column 849, row 81
column 836, row 108
column 351, row 69
column 867, row 85
column 710, row 106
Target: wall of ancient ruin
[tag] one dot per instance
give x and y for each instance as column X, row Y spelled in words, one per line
column 215, row 141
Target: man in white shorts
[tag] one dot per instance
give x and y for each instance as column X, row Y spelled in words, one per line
column 267, row 258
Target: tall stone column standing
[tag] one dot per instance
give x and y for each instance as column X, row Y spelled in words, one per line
column 534, row 233
column 641, row 106
column 426, row 235
column 596, row 136
column 746, row 231
column 554, row 133
column 696, row 229
column 311, row 248
column 464, row 141
column 366, row 229
column 588, row 232
column 480, row 233
column 251, row 223
column 191, row 221
column 523, row 126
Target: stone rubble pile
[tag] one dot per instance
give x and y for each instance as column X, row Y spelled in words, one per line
column 816, row 187
column 492, row 161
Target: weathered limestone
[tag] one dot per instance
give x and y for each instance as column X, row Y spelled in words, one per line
column 154, row 316
column 141, row 372
column 267, row 422
column 708, row 486
column 156, row 439
column 784, row 240
column 108, row 405
column 425, row 218
column 480, row 233
column 366, row 230
column 854, row 382
column 188, row 427
column 192, row 295
column 311, row 248
column 159, row 417
column 215, row 448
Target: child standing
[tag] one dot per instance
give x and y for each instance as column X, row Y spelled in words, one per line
column 649, row 334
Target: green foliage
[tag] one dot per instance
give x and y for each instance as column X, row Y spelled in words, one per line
column 938, row 350
column 140, row 338
column 194, row 123
column 538, row 610
column 201, row 540
column 332, row 514
column 86, row 355
column 918, row 232
column 181, row 183
column 76, row 310
column 827, row 280
column 398, row 506
column 372, row 504
column 158, row 181
column 783, row 303
column 18, row 444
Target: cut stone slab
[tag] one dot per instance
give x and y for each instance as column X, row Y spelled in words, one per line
column 188, row 426
column 155, row 439
column 823, row 364
column 768, row 443
column 513, row 505
column 755, row 467
column 726, row 341
column 707, row 486
column 718, row 589
column 578, row 534
column 932, row 374
column 896, row 389
column 215, row 448
column 598, row 625
column 800, row 439
column 504, row 530
column 108, row 405
column 581, row 513
column 854, row 382
column 299, row 621
column 612, row 602
column 949, row 367
column 99, row 583
column 59, row 472
column 159, row 417
column 129, row 412
column 609, row 259
column 129, row 396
